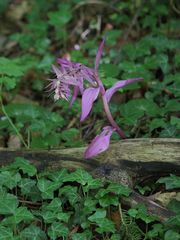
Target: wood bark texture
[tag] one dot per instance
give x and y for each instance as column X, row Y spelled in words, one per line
column 141, row 156
column 125, row 162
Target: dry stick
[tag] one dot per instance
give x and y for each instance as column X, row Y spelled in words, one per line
column 174, row 7
column 30, row 203
column 97, row 2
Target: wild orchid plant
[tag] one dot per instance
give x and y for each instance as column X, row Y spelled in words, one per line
column 71, row 74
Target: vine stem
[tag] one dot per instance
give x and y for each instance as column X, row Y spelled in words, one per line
column 11, row 123
column 122, row 219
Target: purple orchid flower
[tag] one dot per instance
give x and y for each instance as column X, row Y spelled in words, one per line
column 72, row 75
column 109, row 92
column 90, row 96
column 67, row 75
column 100, row 143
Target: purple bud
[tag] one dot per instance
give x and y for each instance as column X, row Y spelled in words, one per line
column 100, row 143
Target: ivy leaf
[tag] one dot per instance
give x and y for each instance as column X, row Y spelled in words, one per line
column 80, row 176
column 174, row 205
column 92, row 184
column 25, row 111
column 143, row 214
column 109, row 81
column 21, row 214
column 157, row 230
column 109, row 70
column 135, row 109
column 119, row 189
column 160, row 60
column 9, row 179
column 114, row 188
column 172, row 106
column 169, row 131
column 108, row 200
column 115, row 237
column 54, row 205
column 8, row 82
column 58, row 176
column 69, row 135
column 101, row 193
column 174, row 221
column 105, row 225
column 86, row 235
column 6, row 233
column 171, row 182
column 33, row 232
column 171, row 235
column 60, row 17
column 47, row 188
column 133, row 212
column 26, row 185
column 9, row 67
column 8, row 204
column 49, row 216
column 175, row 121
column 25, row 166
column 89, row 205
column 98, row 215
column 63, row 217
column 56, row 230
column 34, row 194
column 70, row 193
column 156, row 123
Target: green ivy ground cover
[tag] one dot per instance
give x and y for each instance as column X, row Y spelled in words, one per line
column 64, row 205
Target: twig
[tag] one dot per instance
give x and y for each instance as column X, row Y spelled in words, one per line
column 97, row 2
column 174, row 7
column 31, row 203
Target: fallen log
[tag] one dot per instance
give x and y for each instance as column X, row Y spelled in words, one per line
column 124, row 162
column 141, row 156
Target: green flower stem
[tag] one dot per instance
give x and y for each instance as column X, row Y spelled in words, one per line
column 12, row 124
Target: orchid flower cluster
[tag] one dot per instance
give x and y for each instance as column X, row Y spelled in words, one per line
column 69, row 82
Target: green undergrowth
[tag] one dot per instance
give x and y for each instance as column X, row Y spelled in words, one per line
column 74, row 205
column 148, row 108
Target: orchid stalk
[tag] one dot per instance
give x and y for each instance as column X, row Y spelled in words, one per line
column 72, row 75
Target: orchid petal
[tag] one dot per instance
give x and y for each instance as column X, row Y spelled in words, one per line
column 88, row 98
column 100, row 143
column 98, row 55
column 75, row 94
column 118, row 85
column 56, row 71
column 64, row 62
